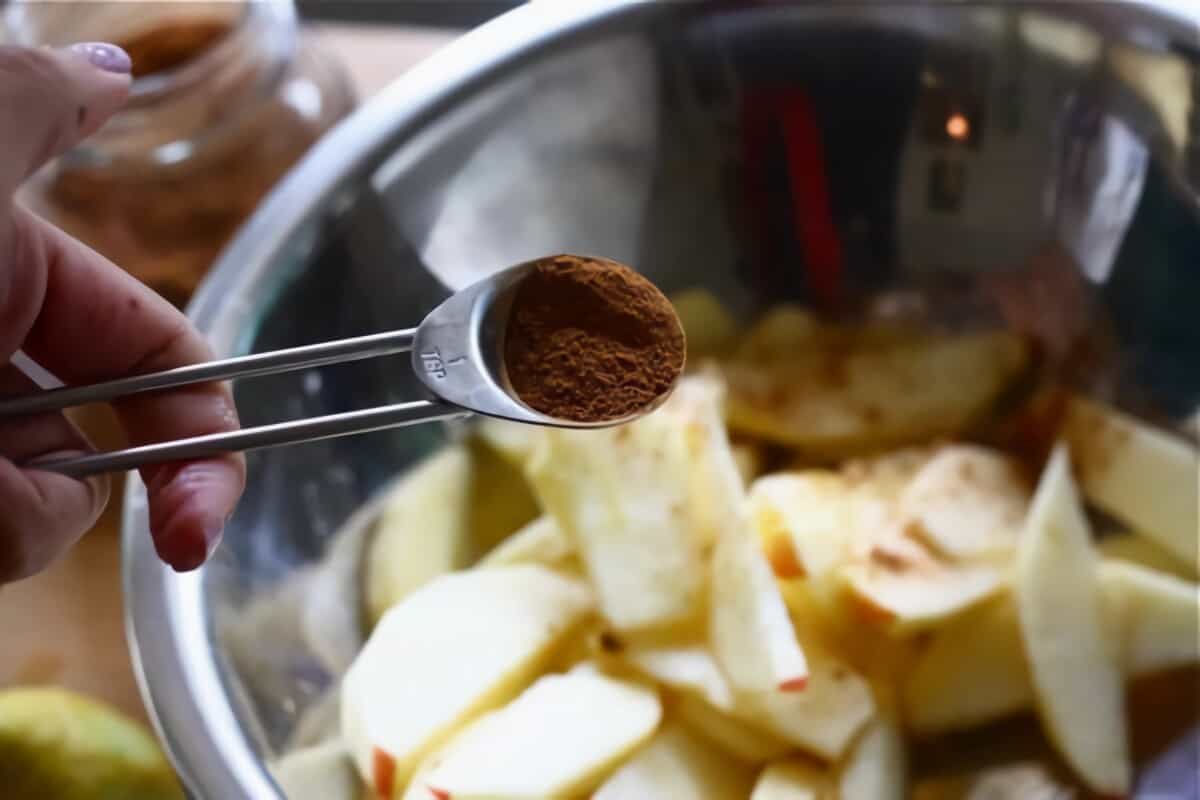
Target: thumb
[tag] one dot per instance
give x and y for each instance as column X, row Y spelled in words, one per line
column 50, row 99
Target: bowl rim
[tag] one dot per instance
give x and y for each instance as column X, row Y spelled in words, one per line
column 167, row 625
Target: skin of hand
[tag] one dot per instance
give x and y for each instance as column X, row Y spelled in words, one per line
column 85, row 320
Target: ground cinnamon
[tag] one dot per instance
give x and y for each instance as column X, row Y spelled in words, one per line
column 590, row 340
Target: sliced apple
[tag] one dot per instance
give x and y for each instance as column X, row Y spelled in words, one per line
column 458, row 646
column 877, row 767
column 1157, row 614
column 895, row 583
column 1148, row 478
column 749, row 629
column 539, row 542
column 323, row 772
column 687, row 668
column 1145, row 552
column 803, row 521
column 709, row 328
column 779, row 334
column 679, row 765
column 972, row 671
column 619, row 495
column 886, row 475
column 422, row 530
column 715, row 488
column 741, row 739
column 750, row 459
column 515, row 442
column 967, row 502
column 1075, row 672
column 557, row 739
column 823, row 718
column 793, row 780
column 1018, row 781
column 849, row 393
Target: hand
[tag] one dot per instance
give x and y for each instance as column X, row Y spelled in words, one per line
column 85, row 320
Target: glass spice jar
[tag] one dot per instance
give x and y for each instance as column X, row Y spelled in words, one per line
column 226, row 97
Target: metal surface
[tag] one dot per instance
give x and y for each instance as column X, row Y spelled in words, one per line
column 456, row 354
column 626, row 131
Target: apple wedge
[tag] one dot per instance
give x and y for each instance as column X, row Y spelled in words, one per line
column 557, row 739
column 849, row 393
column 967, row 502
column 749, row 629
column 894, row 582
column 515, row 442
column 793, row 780
column 1017, row 781
column 621, row 497
column 973, row 671
column 458, row 646
column 877, row 767
column 1157, row 614
column 679, row 765
column 1148, row 478
column 422, row 531
column 824, row 718
column 686, row 668
column 803, row 521
column 539, row 542
column 741, row 739
column 1076, row 676
column 323, row 772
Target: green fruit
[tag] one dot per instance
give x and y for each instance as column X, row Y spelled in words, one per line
column 55, row 744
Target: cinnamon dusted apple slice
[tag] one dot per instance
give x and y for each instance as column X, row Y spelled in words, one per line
column 679, row 765
column 460, row 645
column 558, row 739
column 1076, row 674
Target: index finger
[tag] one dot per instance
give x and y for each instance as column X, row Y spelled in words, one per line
column 96, row 322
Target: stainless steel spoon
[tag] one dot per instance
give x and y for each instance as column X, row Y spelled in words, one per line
column 456, row 351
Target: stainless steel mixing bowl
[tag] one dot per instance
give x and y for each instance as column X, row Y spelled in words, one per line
column 951, row 139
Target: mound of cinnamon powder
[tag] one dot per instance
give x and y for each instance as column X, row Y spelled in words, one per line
column 590, row 340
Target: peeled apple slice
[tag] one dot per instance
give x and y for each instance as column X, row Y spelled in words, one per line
column 1148, row 478
column 1075, row 672
column 709, row 328
column 845, row 394
column 462, row 644
column 1136, row 549
column 618, row 496
column 422, row 530
column 688, row 668
column 1158, row 615
column 967, row 502
column 824, row 718
column 749, row 628
column 972, row 671
column 539, row 542
column 679, row 765
column 556, row 740
column 803, row 521
column 742, row 740
column 877, row 767
column 792, row 780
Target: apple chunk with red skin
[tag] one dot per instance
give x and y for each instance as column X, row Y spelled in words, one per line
column 460, row 645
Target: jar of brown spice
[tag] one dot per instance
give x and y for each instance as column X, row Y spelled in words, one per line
column 227, row 96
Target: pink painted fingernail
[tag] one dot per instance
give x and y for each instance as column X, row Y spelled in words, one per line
column 102, row 55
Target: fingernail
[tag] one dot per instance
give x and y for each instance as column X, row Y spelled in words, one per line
column 102, row 55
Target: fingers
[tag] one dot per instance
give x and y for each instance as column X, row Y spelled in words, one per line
column 59, row 97
column 44, row 513
column 97, row 322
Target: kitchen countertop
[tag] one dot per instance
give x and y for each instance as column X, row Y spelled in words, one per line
column 65, row 626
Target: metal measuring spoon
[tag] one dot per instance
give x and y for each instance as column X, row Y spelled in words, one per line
column 457, row 351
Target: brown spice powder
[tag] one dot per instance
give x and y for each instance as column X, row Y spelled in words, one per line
column 590, row 340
